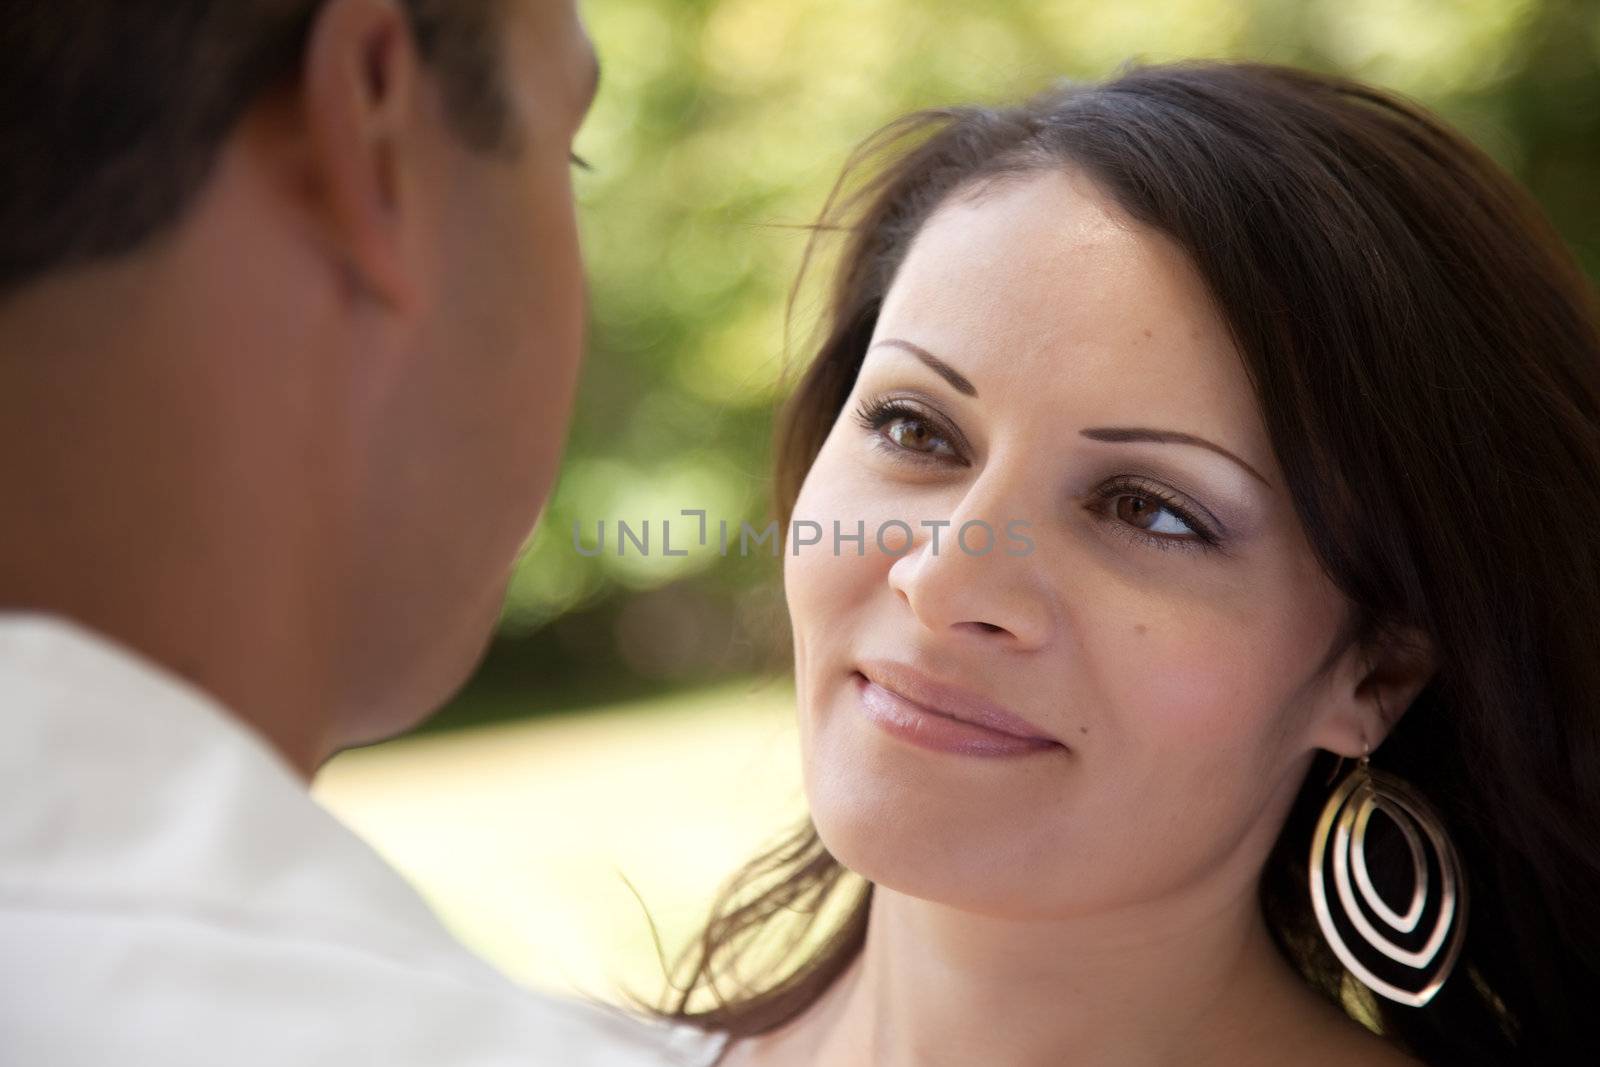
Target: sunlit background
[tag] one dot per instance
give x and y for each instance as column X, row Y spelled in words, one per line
column 630, row 738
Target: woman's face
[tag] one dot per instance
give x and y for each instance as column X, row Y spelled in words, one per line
column 1148, row 606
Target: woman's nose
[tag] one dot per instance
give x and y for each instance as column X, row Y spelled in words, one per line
column 976, row 576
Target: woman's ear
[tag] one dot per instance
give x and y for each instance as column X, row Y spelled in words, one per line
column 1373, row 685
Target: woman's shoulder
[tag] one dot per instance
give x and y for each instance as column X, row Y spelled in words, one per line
column 642, row 1040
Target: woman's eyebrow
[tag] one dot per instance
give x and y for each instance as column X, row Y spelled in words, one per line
column 957, row 380
column 1141, row 433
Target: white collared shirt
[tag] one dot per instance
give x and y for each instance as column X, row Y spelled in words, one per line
column 171, row 895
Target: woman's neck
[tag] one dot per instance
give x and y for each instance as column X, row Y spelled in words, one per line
column 1194, row 981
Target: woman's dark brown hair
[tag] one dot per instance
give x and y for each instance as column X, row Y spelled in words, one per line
column 1426, row 357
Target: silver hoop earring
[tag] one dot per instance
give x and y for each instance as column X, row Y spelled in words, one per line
column 1408, row 959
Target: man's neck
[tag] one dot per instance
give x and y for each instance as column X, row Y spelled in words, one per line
column 141, row 504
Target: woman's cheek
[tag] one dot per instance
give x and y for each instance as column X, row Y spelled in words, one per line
column 1186, row 689
column 824, row 591
column 818, row 580
column 840, row 573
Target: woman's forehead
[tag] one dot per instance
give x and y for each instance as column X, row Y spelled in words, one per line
column 1049, row 246
column 1041, row 283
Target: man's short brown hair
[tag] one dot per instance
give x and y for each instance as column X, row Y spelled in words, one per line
column 112, row 111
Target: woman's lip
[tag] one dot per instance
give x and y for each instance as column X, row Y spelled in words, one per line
column 931, row 729
column 943, row 698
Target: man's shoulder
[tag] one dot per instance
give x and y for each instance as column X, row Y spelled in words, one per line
column 170, row 893
column 130, row 793
column 95, row 986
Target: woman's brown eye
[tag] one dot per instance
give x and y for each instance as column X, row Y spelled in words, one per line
column 1145, row 514
column 911, row 433
column 1134, row 510
column 907, row 434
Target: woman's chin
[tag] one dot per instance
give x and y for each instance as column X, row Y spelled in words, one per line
column 969, row 885
column 893, row 841
column 960, row 830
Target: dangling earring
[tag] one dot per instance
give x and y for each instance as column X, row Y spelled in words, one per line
column 1415, row 956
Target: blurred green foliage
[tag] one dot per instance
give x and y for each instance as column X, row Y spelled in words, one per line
column 720, row 127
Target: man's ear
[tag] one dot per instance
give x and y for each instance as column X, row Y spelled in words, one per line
column 1373, row 686
column 360, row 96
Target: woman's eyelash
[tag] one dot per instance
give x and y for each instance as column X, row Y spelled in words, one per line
column 1204, row 537
column 876, row 413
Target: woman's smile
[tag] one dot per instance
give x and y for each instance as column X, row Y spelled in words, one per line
column 943, row 728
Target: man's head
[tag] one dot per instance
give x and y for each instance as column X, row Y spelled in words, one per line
column 324, row 255
column 112, row 112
